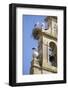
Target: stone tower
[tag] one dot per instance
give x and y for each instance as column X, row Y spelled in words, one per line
column 44, row 59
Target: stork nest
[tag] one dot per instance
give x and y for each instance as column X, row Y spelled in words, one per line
column 36, row 33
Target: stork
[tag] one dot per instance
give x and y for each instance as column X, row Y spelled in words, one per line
column 35, row 53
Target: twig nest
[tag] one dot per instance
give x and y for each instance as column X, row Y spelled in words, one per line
column 36, row 33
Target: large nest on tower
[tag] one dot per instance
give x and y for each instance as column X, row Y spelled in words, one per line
column 36, row 33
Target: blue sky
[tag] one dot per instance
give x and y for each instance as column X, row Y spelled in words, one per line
column 29, row 21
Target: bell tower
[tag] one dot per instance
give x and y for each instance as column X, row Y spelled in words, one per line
column 46, row 59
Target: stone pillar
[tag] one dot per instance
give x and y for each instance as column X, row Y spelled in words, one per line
column 45, row 52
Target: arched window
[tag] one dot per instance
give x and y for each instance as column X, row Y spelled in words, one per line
column 53, row 54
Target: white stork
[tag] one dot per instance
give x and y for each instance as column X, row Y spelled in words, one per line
column 35, row 53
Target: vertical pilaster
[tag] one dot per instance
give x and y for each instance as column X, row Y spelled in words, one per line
column 45, row 52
